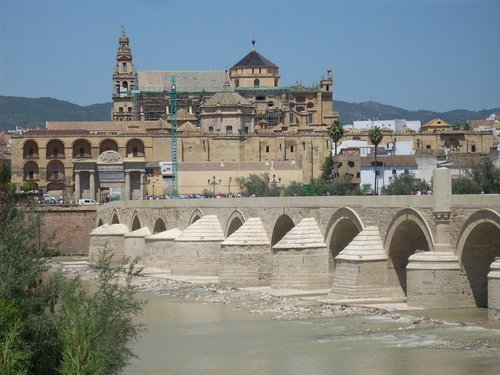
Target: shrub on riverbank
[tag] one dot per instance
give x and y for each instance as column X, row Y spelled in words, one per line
column 50, row 324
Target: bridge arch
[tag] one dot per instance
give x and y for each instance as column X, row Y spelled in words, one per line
column 282, row 226
column 236, row 220
column 100, row 222
column 115, row 219
column 477, row 246
column 159, row 226
column 343, row 226
column 136, row 221
column 408, row 232
column 195, row 216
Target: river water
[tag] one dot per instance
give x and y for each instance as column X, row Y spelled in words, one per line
column 209, row 338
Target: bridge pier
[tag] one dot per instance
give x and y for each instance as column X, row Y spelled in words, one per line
column 361, row 268
column 494, row 290
column 300, row 259
column 433, row 277
column 197, row 249
column 158, row 249
column 108, row 236
column 245, row 256
column 134, row 244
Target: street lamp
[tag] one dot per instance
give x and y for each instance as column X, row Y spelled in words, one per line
column 214, row 183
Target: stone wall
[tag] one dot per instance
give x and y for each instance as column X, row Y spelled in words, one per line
column 70, row 227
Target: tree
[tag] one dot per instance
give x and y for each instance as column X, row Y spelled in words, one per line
column 482, row 177
column 327, row 168
column 7, row 188
column 26, row 186
column 335, row 132
column 96, row 329
column 375, row 135
column 50, row 324
column 405, row 184
column 260, row 185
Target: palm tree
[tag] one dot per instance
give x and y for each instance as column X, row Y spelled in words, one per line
column 375, row 135
column 335, row 132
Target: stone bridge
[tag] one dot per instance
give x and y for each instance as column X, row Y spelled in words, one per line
column 431, row 250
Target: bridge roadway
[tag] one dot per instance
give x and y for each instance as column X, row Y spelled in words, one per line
column 438, row 248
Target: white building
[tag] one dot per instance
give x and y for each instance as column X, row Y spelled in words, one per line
column 394, row 125
column 387, row 168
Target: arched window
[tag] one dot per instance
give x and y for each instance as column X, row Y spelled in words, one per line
column 81, row 149
column 256, row 82
column 30, row 150
column 30, row 171
column 108, row 145
column 125, row 85
column 237, row 83
column 55, row 149
column 55, row 171
column 135, row 148
column 473, row 148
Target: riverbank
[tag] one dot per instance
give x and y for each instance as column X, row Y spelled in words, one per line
column 258, row 300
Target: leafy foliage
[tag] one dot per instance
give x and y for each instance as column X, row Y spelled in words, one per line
column 405, row 184
column 335, row 132
column 327, row 168
column 483, row 177
column 49, row 324
column 259, row 185
column 96, row 329
column 375, row 135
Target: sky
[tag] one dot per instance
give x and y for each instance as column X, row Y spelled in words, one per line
column 437, row 55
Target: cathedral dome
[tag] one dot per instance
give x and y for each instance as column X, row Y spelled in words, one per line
column 254, row 59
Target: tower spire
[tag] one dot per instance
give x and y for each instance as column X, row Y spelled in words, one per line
column 253, row 43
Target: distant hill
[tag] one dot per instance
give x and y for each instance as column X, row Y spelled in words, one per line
column 34, row 112
column 350, row 112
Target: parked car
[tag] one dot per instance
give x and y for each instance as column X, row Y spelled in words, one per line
column 86, row 201
column 47, row 199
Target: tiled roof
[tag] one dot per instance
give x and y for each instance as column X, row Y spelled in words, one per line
column 474, row 124
column 159, row 81
column 226, row 98
column 390, row 161
column 237, row 166
column 405, row 130
column 254, row 59
column 50, row 132
column 124, row 126
column 429, row 152
column 465, row 159
column 437, row 122
column 188, row 127
column 184, row 115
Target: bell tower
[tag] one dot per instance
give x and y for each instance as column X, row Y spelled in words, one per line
column 124, row 81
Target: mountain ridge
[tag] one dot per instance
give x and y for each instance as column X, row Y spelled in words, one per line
column 16, row 111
